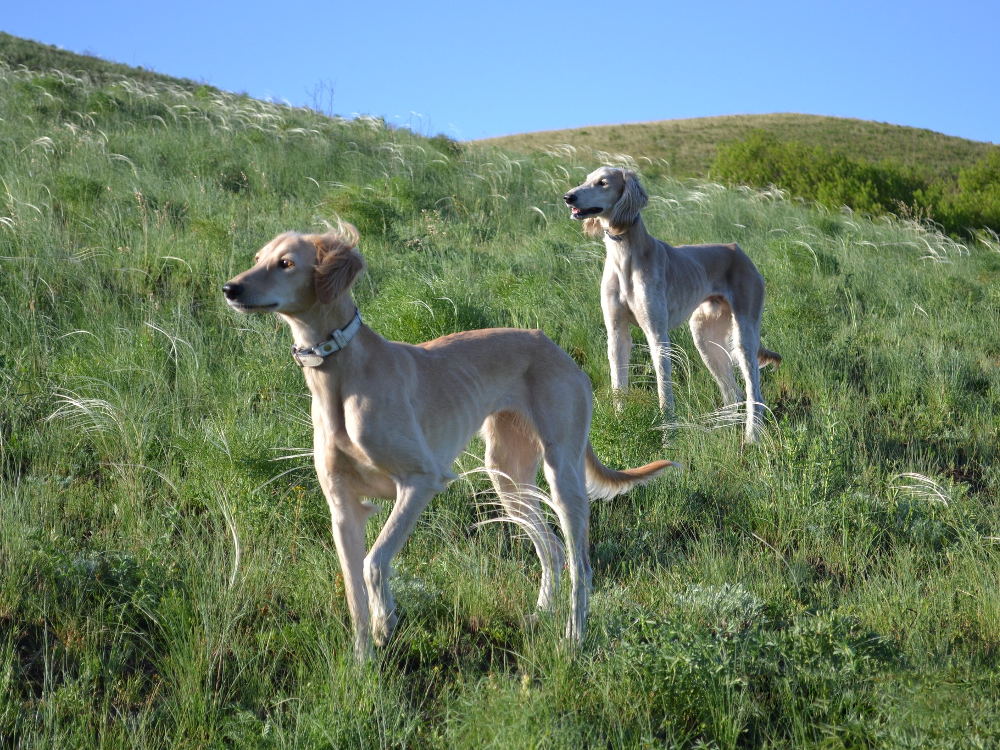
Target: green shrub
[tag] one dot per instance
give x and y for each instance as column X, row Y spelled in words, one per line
column 817, row 174
column 975, row 203
column 835, row 180
column 960, row 207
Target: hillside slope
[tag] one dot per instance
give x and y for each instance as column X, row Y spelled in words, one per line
column 689, row 146
column 686, row 146
column 18, row 52
column 168, row 575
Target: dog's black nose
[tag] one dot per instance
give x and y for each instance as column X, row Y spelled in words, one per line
column 570, row 198
column 232, row 291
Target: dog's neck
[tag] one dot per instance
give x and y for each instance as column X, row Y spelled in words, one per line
column 625, row 246
column 618, row 240
column 628, row 235
column 317, row 323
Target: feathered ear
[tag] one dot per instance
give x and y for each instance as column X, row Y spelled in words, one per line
column 338, row 262
column 633, row 199
column 592, row 227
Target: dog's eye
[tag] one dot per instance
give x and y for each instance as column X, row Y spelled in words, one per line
column 285, row 263
column 602, row 183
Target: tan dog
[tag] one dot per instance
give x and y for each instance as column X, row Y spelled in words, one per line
column 389, row 420
column 657, row 287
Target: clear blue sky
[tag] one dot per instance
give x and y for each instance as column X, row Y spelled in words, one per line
column 479, row 69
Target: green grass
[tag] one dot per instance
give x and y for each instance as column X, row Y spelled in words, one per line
column 687, row 148
column 168, row 574
column 31, row 55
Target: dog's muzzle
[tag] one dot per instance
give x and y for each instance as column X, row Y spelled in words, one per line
column 233, row 292
column 575, row 211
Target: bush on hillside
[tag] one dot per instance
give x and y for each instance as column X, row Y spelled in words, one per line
column 817, row 174
column 833, row 179
column 975, row 203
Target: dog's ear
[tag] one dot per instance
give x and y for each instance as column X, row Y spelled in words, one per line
column 338, row 263
column 633, row 199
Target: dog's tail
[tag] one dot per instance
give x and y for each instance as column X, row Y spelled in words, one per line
column 604, row 483
column 766, row 357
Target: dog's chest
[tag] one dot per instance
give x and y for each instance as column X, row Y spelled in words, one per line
column 340, row 435
column 351, row 460
column 627, row 288
column 657, row 293
column 348, row 437
column 632, row 277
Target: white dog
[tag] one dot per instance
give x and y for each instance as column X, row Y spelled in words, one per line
column 389, row 419
column 657, row 287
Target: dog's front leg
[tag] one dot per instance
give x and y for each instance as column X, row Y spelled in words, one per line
column 348, row 516
column 616, row 321
column 412, row 495
column 658, row 338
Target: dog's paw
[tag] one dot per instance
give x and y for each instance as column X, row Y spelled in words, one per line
column 382, row 628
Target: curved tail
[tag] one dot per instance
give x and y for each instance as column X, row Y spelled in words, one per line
column 604, row 483
column 766, row 357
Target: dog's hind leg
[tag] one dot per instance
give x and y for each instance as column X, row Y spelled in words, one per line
column 711, row 329
column 561, row 410
column 564, row 472
column 746, row 345
column 512, row 458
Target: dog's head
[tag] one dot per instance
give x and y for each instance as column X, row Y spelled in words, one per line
column 294, row 272
column 609, row 197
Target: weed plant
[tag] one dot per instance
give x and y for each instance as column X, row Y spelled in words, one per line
column 168, row 574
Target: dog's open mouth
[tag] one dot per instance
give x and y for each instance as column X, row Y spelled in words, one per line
column 582, row 213
column 236, row 305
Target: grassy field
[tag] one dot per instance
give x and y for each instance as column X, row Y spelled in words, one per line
column 168, row 574
column 686, row 148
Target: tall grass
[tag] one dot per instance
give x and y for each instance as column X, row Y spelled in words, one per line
column 169, row 578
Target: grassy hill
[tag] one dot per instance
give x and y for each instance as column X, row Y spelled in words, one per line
column 168, row 574
column 688, row 146
column 38, row 57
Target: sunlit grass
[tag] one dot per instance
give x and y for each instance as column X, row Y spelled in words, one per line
column 169, row 576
